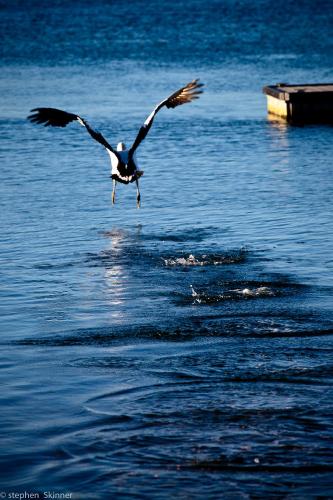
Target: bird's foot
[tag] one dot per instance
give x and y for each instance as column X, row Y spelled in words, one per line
column 113, row 198
column 138, row 201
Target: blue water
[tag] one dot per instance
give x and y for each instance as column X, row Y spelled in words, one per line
column 182, row 350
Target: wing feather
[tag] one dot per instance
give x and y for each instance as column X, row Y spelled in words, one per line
column 186, row 94
column 58, row 118
column 51, row 116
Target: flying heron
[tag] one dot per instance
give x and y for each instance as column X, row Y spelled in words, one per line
column 124, row 167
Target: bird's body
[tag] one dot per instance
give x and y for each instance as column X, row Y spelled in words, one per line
column 124, row 167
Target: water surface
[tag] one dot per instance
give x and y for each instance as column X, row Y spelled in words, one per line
column 184, row 349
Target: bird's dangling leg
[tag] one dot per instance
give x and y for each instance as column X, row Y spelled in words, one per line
column 114, row 182
column 138, row 196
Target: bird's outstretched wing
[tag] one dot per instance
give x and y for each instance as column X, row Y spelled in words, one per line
column 186, row 94
column 58, row 118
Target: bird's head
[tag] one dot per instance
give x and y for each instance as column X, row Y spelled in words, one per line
column 121, row 146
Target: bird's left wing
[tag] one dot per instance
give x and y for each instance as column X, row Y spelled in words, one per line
column 58, row 118
column 186, row 94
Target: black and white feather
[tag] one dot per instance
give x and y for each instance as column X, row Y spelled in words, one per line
column 124, row 167
column 184, row 95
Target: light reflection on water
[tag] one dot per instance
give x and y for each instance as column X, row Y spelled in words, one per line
column 115, row 276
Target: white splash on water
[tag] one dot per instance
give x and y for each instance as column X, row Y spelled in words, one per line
column 262, row 291
column 195, row 295
column 204, row 260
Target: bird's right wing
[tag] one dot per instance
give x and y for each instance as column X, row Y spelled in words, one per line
column 58, row 118
column 186, row 94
